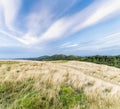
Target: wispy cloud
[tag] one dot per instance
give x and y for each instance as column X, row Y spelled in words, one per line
column 69, row 45
column 108, row 41
column 41, row 22
column 46, row 23
column 10, row 9
column 93, row 14
column 102, row 11
column 14, row 37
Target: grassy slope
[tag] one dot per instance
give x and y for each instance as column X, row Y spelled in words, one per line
column 58, row 84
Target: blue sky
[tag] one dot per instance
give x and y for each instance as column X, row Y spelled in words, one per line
column 31, row 28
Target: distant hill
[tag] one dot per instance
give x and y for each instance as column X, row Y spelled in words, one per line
column 107, row 60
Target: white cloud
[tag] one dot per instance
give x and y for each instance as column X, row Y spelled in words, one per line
column 39, row 20
column 55, row 31
column 14, row 37
column 93, row 14
column 10, row 9
column 109, row 41
column 42, row 27
column 69, row 45
column 99, row 12
column 28, row 39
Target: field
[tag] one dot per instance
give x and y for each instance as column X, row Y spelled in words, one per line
column 58, row 85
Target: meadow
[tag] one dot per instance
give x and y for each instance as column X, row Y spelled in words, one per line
column 58, row 85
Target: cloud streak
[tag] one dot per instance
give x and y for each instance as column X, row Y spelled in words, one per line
column 67, row 26
column 108, row 41
column 10, row 9
column 14, row 37
column 47, row 23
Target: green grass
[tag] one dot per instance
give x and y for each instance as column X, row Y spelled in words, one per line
column 11, row 91
column 71, row 97
column 22, row 95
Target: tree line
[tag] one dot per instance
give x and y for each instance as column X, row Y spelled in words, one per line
column 107, row 60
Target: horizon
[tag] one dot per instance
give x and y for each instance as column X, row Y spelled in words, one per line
column 26, row 58
column 72, row 27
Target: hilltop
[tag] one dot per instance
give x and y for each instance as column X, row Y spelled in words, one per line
column 58, row 84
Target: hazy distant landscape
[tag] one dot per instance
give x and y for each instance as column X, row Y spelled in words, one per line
column 58, row 84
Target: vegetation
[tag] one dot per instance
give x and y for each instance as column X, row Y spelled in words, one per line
column 107, row 60
column 23, row 96
column 57, row 85
column 72, row 97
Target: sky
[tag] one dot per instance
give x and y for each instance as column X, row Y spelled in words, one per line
column 32, row 28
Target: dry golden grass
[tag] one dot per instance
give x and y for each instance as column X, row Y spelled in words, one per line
column 101, row 83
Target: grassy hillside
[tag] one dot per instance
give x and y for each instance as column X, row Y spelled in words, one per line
column 58, row 85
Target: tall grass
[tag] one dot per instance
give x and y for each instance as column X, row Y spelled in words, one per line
column 52, row 85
